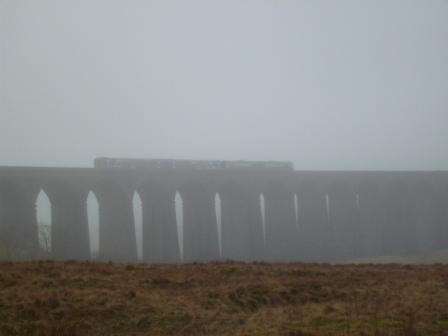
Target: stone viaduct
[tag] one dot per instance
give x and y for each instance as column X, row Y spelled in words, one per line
column 307, row 215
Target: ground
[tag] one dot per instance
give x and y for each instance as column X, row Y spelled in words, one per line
column 87, row 298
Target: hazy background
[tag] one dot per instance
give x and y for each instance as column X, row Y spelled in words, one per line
column 345, row 84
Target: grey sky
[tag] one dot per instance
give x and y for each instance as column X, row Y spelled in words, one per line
column 344, row 84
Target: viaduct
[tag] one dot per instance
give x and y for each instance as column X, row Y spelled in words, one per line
column 305, row 215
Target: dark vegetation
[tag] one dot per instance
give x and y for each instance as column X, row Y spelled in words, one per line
column 86, row 298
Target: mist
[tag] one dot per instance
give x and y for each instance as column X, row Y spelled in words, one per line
column 352, row 85
column 205, row 167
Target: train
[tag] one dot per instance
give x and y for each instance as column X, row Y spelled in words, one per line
column 104, row 162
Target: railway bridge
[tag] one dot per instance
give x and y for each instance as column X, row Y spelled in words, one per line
column 269, row 211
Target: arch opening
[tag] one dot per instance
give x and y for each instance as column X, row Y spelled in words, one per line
column 327, row 205
column 44, row 221
column 218, row 214
column 2, row 209
column 93, row 219
column 296, row 211
column 263, row 216
column 137, row 206
column 179, row 210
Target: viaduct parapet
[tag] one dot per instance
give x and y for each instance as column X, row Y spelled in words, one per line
column 304, row 215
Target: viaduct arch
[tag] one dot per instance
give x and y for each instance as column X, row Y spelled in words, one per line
column 312, row 216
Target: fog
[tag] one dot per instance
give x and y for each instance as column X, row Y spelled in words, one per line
column 328, row 85
column 346, row 85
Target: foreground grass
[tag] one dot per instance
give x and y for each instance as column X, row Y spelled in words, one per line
column 84, row 298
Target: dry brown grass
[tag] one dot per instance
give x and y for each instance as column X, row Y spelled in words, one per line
column 85, row 298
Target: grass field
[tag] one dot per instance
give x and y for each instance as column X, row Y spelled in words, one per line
column 85, row 298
